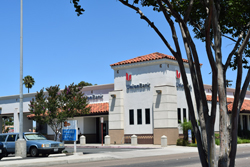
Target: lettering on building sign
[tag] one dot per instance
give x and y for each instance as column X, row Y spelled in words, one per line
column 181, row 86
column 178, row 74
column 94, row 97
column 128, row 77
column 140, row 85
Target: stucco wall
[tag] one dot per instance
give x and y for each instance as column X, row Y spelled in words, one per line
column 156, row 73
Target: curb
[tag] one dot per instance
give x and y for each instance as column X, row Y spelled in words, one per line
column 47, row 162
column 134, row 147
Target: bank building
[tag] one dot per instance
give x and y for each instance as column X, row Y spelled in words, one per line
column 147, row 99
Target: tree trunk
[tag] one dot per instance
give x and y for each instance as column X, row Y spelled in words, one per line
column 211, row 143
column 224, row 135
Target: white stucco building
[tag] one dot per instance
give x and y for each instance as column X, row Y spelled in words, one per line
column 146, row 99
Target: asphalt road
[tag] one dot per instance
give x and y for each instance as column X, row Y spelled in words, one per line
column 176, row 160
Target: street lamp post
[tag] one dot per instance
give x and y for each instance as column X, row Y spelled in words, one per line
column 20, row 145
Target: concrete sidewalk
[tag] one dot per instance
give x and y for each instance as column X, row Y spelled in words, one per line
column 57, row 159
column 79, row 157
column 139, row 146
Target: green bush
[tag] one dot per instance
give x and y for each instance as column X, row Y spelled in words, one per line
column 239, row 140
column 217, row 136
column 245, row 141
column 217, row 141
column 181, row 142
column 192, row 145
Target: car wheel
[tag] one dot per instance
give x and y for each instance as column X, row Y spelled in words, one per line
column 34, row 152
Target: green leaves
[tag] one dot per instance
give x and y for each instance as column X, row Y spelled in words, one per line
column 78, row 9
column 28, row 81
column 56, row 106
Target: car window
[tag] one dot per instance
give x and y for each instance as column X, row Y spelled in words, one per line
column 11, row 138
column 2, row 138
column 35, row 137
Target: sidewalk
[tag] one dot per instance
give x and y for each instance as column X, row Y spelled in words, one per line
column 57, row 159
column 136, row 152
column 139, row 146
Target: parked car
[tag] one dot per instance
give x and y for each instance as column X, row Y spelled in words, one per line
column 36, row 144
column 2, row 151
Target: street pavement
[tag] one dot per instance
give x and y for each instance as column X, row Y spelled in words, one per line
column 79, row 157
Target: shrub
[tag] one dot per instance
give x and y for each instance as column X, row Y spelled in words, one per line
column 217, row 141
column 245, row 141
column 179, row 142
column 239, row 140
column 192, row 145
column 186, row 125
column 217, row 136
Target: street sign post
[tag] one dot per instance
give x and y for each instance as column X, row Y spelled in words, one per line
column 102, row 129
column 69, row 132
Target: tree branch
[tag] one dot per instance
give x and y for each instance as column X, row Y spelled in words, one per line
column 228, row 37
column 212, row 64
column 188, row 11
column 244, row 43
column 171, row 24
column 235, row 114
column 201, row 101
column 124, row 2
column 233, row 51
column 236, row 46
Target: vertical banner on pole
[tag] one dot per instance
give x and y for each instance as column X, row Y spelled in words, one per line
column 189, row 136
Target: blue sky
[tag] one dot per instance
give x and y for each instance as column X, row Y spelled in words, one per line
column 61, row 48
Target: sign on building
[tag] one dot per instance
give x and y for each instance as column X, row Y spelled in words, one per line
column 69, row 131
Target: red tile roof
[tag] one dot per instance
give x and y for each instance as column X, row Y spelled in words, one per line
column 149, row 57
column 244, row 108
column 99, row 108
column 229, row 100
column 95, row 108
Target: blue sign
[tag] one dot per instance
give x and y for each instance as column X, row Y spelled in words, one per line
column 69, row 134
column 69, row 131
column 189, row 136
column 189, row 133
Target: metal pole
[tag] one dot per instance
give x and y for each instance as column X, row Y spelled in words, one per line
column 74, row 147
column 21, row 76
column 102, row 133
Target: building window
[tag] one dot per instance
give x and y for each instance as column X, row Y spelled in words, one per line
column 147, row 114
column 131, row 117
column 179, row 115
column 184, row 114
column 139, row 117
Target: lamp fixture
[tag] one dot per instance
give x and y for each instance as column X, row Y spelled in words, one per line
column 113, row 95
column 158, row 91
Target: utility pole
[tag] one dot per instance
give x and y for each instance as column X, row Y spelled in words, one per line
column 20, row 144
